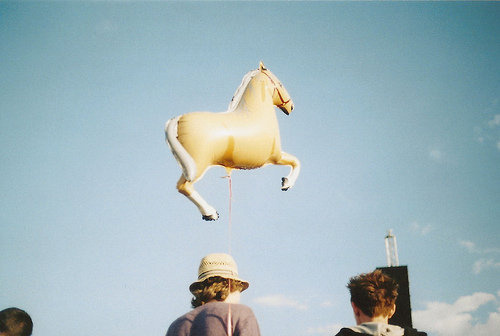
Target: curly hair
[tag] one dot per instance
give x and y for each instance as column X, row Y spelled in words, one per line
column 15, row 322
column 214, row 288
column 374, row 293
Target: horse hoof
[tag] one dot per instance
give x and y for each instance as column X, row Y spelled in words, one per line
column 284, row 184
column 210, row 217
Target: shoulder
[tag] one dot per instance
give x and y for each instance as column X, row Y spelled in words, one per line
column 242, row 308
column 414, row 332
column 182, row 324
column 348, row 332
column 244, row 321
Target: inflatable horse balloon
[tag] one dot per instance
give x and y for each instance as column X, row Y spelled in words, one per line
column 246, row 136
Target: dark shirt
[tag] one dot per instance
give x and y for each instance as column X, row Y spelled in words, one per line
column 407, row 332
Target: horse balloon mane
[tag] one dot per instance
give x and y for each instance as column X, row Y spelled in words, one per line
column 246, row 136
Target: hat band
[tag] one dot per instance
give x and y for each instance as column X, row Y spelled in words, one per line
column 216, row 272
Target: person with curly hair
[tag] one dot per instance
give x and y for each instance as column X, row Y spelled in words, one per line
column 373, row 301
column 216, row 296
column 15, row 322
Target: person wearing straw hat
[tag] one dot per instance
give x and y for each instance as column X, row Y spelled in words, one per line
column 216, row 296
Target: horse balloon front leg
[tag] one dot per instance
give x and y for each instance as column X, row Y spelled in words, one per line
column 289, row 160
column 187, row 189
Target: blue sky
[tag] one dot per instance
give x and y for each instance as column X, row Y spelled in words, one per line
column 396, row 124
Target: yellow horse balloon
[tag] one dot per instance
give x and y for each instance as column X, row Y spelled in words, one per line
column 246, row 136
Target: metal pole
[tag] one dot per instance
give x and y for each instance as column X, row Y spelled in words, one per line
column 391, row 249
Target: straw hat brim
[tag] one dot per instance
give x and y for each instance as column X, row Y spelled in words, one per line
column 197, row 284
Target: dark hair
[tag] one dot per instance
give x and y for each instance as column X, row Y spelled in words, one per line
column 15, row 322
column 374, row 293
column 214, row 288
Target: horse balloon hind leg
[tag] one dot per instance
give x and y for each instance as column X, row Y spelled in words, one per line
column 186, row 188
column 185, row 185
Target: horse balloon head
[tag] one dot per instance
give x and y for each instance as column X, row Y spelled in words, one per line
column 281, row 97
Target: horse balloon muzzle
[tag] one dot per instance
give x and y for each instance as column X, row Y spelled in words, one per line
column 287, row 108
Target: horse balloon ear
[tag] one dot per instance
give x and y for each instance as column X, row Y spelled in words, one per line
column 262, row 66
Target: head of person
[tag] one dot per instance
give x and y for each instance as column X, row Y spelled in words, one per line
column 15, row 322
column 373, row 296
column 217, row 280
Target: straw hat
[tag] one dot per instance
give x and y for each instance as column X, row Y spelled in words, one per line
column 217, row 264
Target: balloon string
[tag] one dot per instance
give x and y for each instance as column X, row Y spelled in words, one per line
column 229, row 317
column 230, row 213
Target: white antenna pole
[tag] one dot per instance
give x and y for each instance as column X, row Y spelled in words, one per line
column 391, row 249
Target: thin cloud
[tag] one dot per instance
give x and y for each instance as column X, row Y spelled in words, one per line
column 479, row 134
column 456, row 319
column 436, row 155
column 494, row 125
column 495, row 121
column 489, row 131
column 106, row 27
column 472, row 248
column 491, row 250
column 331, row 329
column 421, row 229
column 327, row 304
column 485, row 264
column 279, row 300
